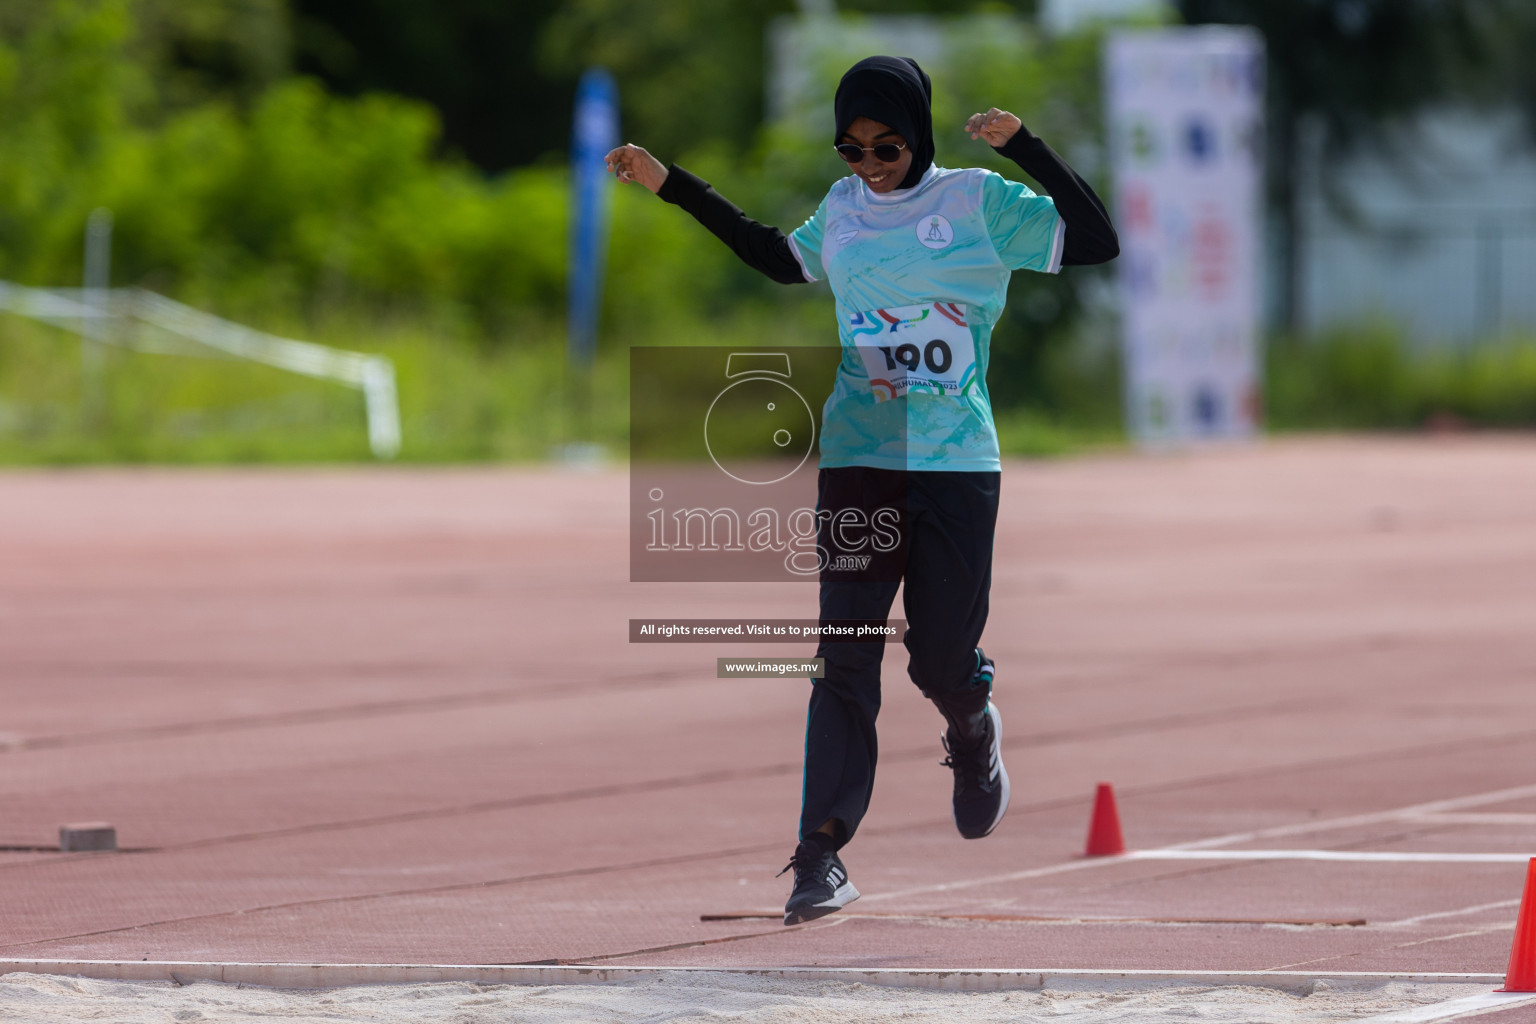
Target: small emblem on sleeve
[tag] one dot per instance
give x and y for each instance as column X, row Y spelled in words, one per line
column 934, row 231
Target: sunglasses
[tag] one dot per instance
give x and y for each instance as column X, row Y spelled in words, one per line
column 886, row 152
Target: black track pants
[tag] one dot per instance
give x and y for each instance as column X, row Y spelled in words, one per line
column 947, row 523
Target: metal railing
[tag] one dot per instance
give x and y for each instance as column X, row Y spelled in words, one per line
column 1458, row 280
column 146, row 322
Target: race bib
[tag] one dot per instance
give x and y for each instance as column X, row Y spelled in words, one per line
column 924, row 349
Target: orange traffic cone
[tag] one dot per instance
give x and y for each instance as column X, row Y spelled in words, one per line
column 1521, row 975
column 1104, row 838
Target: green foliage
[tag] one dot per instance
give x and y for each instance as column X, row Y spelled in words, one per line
column 300, row 197
column 1367, row 377
column 159, row 56
column 301, row 202
column 62, row 99
column 688, row 70
column 260, row 195
column 502, row 74
column 459, row 401
column 475, row 61
column 269, row 200
column 201, row 49
column 1028, row 433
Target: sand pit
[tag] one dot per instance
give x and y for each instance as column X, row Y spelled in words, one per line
column 711, row 997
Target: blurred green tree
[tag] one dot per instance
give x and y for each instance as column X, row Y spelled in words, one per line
column 286, row 201
column 1360, row 70
column 255, row 192
column 501, row 75
column 475, row 61
column 199, row 50
column 692, row 72
column 190, row 51
column 689, row 71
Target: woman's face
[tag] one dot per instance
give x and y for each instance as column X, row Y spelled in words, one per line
column 880, row 177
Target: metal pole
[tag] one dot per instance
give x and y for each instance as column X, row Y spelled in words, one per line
column 383, row 405
column 1490, row 271
column 97, row 279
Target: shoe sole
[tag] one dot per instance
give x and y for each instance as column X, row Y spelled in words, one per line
column 1002, row 771
column 844, row 895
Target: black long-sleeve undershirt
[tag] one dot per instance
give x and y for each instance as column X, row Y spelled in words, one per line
column 1089, row 236
column 761, row 246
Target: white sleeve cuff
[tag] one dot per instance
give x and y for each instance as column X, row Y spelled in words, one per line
column 1058, row 243
column 795, row 249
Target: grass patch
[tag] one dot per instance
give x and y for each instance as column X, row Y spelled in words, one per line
column 1369, row 377
column 459, row 401
column 465, row 400
column 1026, row 433
column 462, row 399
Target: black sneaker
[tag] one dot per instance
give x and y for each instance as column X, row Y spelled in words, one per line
column 821, row 883
column 981, row 781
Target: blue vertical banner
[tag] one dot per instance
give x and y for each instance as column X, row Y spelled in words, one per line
column 595, row 131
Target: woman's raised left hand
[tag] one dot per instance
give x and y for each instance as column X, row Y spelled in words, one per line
column 630, row 162
column 995, row 126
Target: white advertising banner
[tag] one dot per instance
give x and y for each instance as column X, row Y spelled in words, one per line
column 1186, row 122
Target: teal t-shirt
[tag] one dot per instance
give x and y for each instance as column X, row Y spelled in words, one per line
column 920, row 275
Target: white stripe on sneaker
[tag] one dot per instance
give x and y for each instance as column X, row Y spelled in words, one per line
column 844, row 895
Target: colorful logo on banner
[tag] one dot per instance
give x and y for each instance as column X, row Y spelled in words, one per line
column 1185, row 107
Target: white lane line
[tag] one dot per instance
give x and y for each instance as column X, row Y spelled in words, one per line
column 1453, row 1008
column 1012, row 876
column 1509, row 927
column 1473, row 819
column 1408, row 922
column 1365, row 856
column 1375, row 818
column 1396, row 814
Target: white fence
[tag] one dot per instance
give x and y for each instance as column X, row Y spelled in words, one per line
column 1450, row 282
column 147, row 322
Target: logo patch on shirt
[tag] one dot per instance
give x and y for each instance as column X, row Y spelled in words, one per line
column 844, row 237
column 934, row 231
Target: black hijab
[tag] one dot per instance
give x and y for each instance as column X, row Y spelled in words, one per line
column 895, row 92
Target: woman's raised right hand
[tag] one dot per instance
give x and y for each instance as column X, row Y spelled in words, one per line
column 631, row 163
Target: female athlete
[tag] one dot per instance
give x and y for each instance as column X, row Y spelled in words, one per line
column 919, row 258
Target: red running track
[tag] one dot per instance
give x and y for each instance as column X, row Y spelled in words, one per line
column 390, row 715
